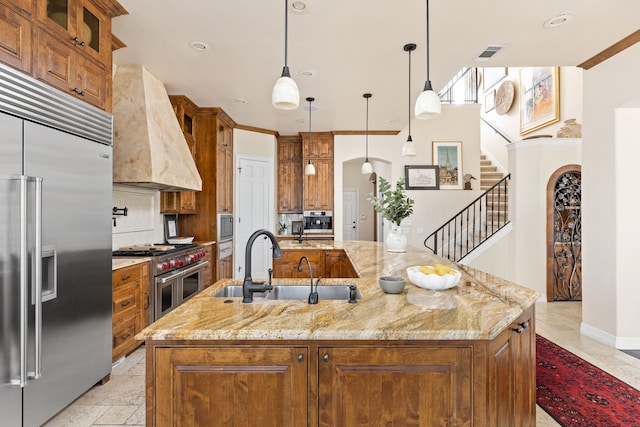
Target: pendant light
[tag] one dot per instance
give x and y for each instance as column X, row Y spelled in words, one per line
column 428, row 103
column 285, row 95
column 409, row 148
column 366, row 166
column 309, row 169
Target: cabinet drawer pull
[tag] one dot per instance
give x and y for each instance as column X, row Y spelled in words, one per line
column 126, row 303
column 125, row 336
column 325, row 357
column 125, row 278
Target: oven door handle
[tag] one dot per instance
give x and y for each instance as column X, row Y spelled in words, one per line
column 194, row 267
column 184, row 272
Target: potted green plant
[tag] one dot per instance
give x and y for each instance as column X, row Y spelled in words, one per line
column 394, row 206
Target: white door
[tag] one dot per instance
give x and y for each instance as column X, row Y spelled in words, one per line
column 350, row 214
column 254, row 193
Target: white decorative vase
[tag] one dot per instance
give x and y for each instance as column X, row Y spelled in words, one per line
column 395, row 240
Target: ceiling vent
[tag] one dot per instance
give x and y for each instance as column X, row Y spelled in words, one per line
column 489, row 52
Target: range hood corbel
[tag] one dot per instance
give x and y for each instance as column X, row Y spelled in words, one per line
column 149, row 149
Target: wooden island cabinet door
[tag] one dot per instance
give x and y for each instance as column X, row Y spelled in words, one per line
column 395, row 386
column 231, row 386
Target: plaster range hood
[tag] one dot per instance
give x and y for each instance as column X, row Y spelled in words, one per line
column 149, row 149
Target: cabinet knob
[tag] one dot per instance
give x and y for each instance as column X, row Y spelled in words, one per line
column 76, row 41
column 300, row 357
column 325, row 358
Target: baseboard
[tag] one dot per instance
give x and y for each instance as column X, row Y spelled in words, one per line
column 621, row 343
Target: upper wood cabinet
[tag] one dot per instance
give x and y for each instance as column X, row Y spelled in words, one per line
column 289, row 174
column 319, row 147
column 182, row 202
column 65, row 43
column 15, row 34
column 213, row 134
column 317, row 191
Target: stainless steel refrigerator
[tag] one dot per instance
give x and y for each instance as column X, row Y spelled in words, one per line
column 55, row 249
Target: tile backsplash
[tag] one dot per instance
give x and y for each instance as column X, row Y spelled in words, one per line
column 143, row 223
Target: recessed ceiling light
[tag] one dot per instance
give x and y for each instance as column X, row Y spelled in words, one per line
column 240, row 100
column 299, row 6
column 556, row 21
column 300, row 120
column 306, row 73
column 199, row 45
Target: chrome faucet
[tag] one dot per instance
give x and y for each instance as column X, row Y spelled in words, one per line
column 248, row 285
column 313, row 295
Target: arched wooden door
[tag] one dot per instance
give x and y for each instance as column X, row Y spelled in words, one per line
column 564, row 234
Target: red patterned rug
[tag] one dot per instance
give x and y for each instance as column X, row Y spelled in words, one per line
column 577, row 394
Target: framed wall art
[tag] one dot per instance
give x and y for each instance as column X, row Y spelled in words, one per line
column 448, row 156
column 539, row 98
column 421, row 177
column 491, row 76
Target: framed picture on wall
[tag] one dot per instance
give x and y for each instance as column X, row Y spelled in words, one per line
column 421, row 177
column 448, row 156
column 539, row 98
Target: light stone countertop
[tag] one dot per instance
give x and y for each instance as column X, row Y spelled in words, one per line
column 122, row 262
column 478, row 308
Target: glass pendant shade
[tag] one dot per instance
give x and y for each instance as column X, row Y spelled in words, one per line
column 309, row 169
column 285, row 95
column 366, row 168
column 409, row 148
column 428, row 104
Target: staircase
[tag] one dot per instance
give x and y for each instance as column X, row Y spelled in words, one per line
column 490, row 176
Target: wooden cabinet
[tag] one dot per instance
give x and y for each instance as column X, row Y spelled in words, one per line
column 337, row 264
column 224, row 167
column 224, row 268
column 289, row 174
column 317, row 192
column 394, row 386
column 213, row 133
column 511, row 375
column 287, row 265
column 71, row 40
column 240, row 386
column 207, row 271
column 344, row 383
column 60, row 65
column 15, row 34
column 182, row 202
column 327, row 264
column 130, row 307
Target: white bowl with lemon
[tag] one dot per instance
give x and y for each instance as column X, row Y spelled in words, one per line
column 437, row 277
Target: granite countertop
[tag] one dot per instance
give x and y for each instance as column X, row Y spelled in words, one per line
column 478, row 308
column 121, row 262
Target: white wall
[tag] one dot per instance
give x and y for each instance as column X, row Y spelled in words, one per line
column 532, row 163
column 570, row 108
column 431, row 208
column 610, row 229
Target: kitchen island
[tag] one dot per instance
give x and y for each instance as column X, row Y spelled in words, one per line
column 463, row 356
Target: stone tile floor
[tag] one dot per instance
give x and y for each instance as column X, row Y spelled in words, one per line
column 121, row 401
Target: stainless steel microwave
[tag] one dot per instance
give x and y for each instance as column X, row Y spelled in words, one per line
column 225, row 227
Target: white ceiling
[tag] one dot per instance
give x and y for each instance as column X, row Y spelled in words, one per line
column 352, row 47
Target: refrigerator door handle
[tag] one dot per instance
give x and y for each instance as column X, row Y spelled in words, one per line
column 24, row 289
column 37, row 274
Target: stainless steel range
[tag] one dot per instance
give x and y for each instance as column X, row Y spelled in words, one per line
column 177, row 273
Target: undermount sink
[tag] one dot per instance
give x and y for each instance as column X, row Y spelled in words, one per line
column 292, row 292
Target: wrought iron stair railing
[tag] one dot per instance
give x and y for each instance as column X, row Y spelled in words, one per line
column 473, row 225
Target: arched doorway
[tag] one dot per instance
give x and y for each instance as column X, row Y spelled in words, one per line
column 564, row 234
